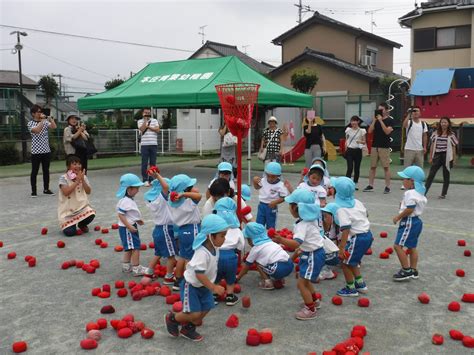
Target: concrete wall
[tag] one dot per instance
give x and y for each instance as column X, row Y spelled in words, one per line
column 330, row 78
column 463, row 57
column 188, row 124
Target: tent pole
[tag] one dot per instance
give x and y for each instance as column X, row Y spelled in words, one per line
column 249, row 157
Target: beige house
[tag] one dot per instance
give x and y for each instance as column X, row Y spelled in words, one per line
column 441, row 34
column 346, row 58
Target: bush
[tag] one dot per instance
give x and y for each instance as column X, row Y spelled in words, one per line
column 9, row 155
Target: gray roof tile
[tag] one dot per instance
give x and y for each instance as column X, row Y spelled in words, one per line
column 11, row 78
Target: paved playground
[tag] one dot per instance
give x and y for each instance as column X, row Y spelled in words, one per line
column 48, row 307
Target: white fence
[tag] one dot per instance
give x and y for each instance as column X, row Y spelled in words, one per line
column 170, row 141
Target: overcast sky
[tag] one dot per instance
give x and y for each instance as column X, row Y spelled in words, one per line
column 86, row 64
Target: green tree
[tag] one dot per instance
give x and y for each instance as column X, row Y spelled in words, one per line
column 304, row 80
column 384, row 85
column 50, row 88
column 113, row 83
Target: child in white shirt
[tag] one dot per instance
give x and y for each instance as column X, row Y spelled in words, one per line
column 409, row 230
column 271, row 192
column 163, row 234
column 129, row 218
column 198, row 283
column 273, row 262
column 234, row 242
column 306, row 237
column 184, row 200
column 356, row 237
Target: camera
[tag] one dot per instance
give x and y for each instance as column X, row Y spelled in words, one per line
column 378, row 112
column 46, row 112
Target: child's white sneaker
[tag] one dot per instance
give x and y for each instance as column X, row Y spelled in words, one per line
column 305, row 314
column 126, row 267
column 138, row 270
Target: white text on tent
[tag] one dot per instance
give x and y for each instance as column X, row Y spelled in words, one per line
column 197, row 76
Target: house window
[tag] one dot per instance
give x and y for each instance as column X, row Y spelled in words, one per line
column 428, row 39
column 372, row 54
column 214, row 111
column 203, row 110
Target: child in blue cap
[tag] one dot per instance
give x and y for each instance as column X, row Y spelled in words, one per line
column 234, row 242
column 313, row 181
column 198, row 284
column 306, row 237
column 356, row 237
column 410, row 227
column 184, row 200
column 129, row 218
column 224, row 170
column 326, row 179
column 163, row 234
column 271, row 192
column 273, row 262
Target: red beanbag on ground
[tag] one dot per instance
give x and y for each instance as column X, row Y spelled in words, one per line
column 384, row 255
column 468, row 298
column 147, row 333
column 424, row 298
column 437, row 339
column 363, row 302
column 232, row 321
column 88, row 344
column 336, row 300
column 456, row 334
column 460, row 273
column 253, row 340
column 468, row 342
column 454, row 306
column 19, row 347
column 125, row 333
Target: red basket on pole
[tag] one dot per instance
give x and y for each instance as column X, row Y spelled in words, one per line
column 237, row 102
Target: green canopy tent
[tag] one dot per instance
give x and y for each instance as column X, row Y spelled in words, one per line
column 190, row 83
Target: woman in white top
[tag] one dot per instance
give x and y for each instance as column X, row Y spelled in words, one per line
column 355, row 141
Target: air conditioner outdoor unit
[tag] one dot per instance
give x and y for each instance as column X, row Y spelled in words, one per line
column 366, row 60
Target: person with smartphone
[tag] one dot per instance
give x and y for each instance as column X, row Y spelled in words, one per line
column 149, row 128
column 74, row 133
column 40, row 150
column 382, row 128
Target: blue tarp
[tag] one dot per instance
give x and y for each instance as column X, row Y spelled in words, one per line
column 432, row 82
column 464, row 78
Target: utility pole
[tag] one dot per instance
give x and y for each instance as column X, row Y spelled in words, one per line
column 18, row 48
column 302, row 9
column 201, row 32
column 372, row 22
column 60, row 85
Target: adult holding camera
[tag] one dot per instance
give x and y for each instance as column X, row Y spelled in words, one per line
column 314, row 140
column 382, row 128
column 75, row 138
column 149, row 128
column 417, row 138
column 40, row 150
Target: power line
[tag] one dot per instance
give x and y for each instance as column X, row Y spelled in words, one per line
column 68, row 63
column 98, row 39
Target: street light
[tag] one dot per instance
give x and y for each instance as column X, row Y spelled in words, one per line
column 18, row 48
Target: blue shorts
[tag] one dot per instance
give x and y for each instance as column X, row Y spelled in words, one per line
column 227, row 266
column 165, row 244
column 279, row 270
column 357, row 245
column 195, row 299
column 408, row 232
column 186, row 236
column 130, row 241
column 311, row 264
column 267, row 216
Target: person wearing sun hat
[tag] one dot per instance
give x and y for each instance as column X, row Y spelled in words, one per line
column 129, row 218
column 271, row 192
column 234, row 242
column 163, row 234
column 198, row 284
column 272, row 137
column 410, row 227
column 356, row 237
column 307, row 237
column 273, row 263
column 327, row 177
column 184, row 200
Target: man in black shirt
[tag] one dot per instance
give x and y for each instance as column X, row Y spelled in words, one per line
column 381, row 127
